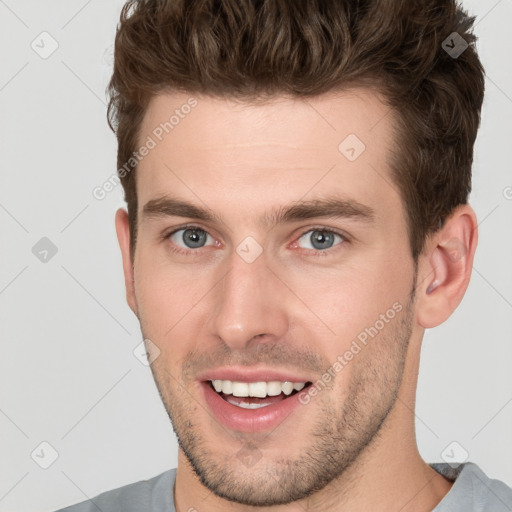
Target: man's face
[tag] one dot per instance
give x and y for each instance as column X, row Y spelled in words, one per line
column 250, row 296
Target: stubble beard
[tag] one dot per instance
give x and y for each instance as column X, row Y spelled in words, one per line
column 340, row 435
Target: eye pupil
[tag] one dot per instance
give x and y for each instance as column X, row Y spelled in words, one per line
column 321, row 239
column 194, row 238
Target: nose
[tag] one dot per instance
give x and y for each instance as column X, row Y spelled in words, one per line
column 250, row 304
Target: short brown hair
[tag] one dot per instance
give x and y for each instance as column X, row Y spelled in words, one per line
column 251, row 49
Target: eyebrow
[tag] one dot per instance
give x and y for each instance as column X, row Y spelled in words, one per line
column 327, row 207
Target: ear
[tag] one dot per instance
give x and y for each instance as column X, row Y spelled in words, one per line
column 445, row 267
column 123, row 237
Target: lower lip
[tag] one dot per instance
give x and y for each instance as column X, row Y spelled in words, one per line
column 249, row 420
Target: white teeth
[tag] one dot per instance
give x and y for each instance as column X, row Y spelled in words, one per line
column 287, row 387
column 227, row 387
column 273, row 388
column 245, row 405
column 256, row 389
column 240, row 389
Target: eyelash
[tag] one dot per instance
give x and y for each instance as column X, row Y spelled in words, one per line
column 315, row 253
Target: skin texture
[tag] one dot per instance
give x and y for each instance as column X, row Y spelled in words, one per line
column 294, row 308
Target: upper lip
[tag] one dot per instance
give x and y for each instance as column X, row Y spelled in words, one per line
column 248, row 374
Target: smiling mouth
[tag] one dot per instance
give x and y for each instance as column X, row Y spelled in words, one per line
column 255, row 395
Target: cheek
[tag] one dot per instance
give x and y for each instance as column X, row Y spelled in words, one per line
column 350, row 301
column 165, row 295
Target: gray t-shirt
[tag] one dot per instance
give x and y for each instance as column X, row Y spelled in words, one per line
column 472, row 491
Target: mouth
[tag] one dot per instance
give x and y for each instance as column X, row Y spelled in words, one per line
column 255, row 395
column 252, row 406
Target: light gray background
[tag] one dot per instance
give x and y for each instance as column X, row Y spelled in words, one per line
column 69, row 376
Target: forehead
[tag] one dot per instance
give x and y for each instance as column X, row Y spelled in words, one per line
column 302, row 123
column 224, row 152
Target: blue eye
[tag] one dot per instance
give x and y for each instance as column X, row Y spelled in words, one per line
column 192, row 237
column 188, row 239
column 320, row 239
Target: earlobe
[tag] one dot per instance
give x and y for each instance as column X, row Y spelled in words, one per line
column 446, row 267
column 123, row 237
